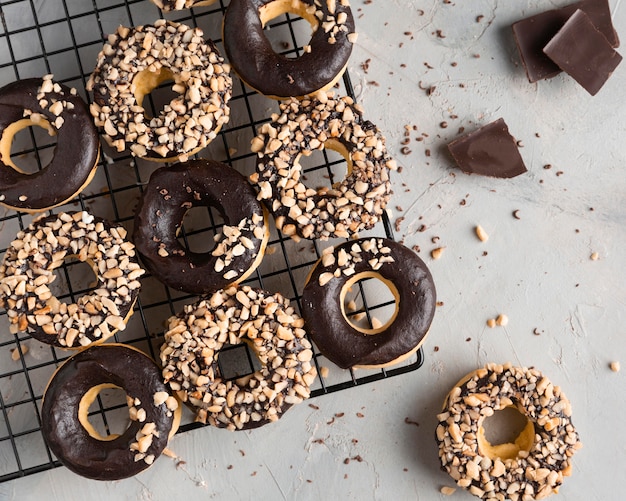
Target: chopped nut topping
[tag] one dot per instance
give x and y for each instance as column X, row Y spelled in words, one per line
column 346, row 260
column 28, row 269
column 232, row 316
column 191, row 120
column 535, row 473
column 349, row 206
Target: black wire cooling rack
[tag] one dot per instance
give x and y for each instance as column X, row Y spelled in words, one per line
column 63, row 37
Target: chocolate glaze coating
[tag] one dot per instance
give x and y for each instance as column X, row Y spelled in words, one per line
column 170, row 193
column 253, row 58
column 122, row 366
column 75, row 154
column 344, row 345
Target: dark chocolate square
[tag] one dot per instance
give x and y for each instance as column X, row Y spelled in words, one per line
column 489, row 151
column 533, row 34
column 583, row 52
column 235, row 361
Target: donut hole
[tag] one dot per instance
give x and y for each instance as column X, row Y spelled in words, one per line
column 103, row 412
column 285, row 31
column 506, row 434
column 197, row 233
column 325, row 168
column 73, row 277
column 369, row 302
column 159, row 88
column 236, row 361
column 28, row 145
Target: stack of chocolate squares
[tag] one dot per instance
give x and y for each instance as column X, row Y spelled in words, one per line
column 578, row 39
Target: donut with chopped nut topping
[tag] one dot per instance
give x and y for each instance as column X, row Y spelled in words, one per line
column 153, row 411
column 132, row 63
column 344, row 342
column 354, row 204
column 62, row 112
column 318, row 68
column 169, row 5
column 271, row 329
column 531, row 467
column 169, row 194
column 28, row 270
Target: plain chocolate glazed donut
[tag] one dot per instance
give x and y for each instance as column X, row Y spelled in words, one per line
column 170, row 193
column 40, row 101
column 338, row 269
column 153, row 411
column 274, row 75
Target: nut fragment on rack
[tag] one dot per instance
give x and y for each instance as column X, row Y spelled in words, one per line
column 615, row 366
column 169, row 5
column 16, row 353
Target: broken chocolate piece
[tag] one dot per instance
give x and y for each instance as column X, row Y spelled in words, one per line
column 489, row 151
column 533, row 33
column 583, row 52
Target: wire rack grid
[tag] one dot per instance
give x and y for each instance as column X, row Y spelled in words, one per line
column 39, row 37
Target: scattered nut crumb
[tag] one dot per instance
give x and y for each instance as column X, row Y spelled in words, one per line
column 170, row 453
column 594, row 256
column 491, row 323
column 324, row 371
column 436, row 253
column 447, row 491
column 502, row 320
column 615, row 366
column 481, row 233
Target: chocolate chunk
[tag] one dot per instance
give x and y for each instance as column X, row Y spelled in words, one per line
column 583, row 52
column 533, row 33
column 489, row 151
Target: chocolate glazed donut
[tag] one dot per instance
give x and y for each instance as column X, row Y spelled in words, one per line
column 401, row 270
column 274, row 75
column 154, row 412
column 171, row 192
column 40, row 101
